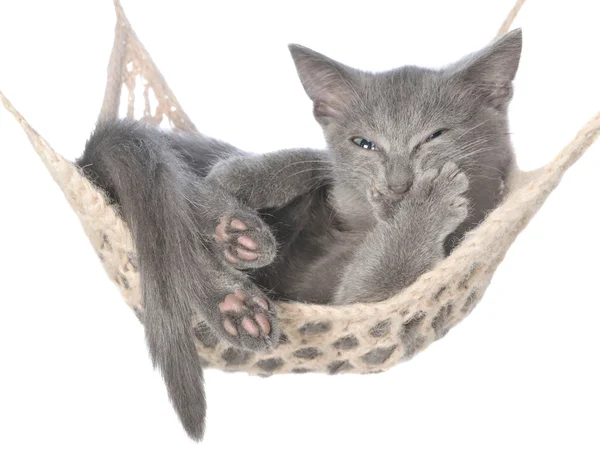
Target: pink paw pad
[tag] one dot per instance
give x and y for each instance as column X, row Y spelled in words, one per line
column 250, row 327
column 231, row 303
column 263, row 322
column 239, row 225
column 221, row 235
column 261, row 302
column 230, row 328
column 248, row 242
column 252, row 323
column 243, row 248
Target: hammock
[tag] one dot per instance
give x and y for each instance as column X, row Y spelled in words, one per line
column 358, row 338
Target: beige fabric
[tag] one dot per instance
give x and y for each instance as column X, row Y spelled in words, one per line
column 355, row 338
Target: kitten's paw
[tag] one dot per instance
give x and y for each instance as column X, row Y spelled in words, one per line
column 440, row 193
column 245, row 241
column 249, row 320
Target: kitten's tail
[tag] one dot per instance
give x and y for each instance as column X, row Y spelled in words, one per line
column 138, row 168
column 173, row 351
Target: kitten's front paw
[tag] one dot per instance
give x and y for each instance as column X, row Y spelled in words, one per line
column 249, row 320
column 245, row 241
column 439, row 193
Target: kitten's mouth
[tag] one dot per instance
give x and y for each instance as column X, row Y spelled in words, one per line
column 374, row 193
column 377, row 197
column 383, row 205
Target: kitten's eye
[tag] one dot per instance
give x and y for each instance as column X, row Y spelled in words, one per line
column 435, row 135
column 364, row 143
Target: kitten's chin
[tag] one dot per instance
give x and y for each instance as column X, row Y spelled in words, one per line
column 384, row 208
column 354, row 207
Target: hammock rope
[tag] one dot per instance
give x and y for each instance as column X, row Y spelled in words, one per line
column 362, row 338
column 510, row 18
column 128, row 61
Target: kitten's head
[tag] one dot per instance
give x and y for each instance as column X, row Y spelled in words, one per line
column 381, row 126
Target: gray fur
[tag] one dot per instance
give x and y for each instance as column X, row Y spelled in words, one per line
column 349, row 224
column 363, row 240
column 157, row 180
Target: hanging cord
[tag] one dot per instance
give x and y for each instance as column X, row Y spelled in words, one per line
column 510, row 18
column 129, row 64
column 114, row 72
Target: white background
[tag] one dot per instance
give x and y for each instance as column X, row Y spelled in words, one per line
column 522, row 371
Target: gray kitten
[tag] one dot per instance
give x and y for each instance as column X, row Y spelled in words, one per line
column 416, row 158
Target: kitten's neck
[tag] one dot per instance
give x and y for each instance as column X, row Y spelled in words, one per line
column 352, row 207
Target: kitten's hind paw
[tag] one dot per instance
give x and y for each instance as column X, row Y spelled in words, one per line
column 245, row 241
column 249, row 320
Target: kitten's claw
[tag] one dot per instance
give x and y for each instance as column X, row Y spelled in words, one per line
column 249, row 320
column 245, row 242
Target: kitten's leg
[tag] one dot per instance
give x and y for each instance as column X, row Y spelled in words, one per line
column 240, row 238
column 238, row 311
column 259, row 182
column 167, row 207
column 271, row 179
column 162, row 201
column 395, row 253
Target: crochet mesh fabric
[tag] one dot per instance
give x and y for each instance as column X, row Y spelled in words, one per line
column 359, row 338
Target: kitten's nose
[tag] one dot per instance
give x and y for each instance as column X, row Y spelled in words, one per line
column 401, row 187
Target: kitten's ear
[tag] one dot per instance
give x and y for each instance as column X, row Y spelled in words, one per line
column 328, row 83
column 492, row 70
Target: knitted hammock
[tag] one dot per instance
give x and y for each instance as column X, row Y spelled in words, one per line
column 358, row 338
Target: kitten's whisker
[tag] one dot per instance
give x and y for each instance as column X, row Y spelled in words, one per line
column 464, row 148
column 308, row 170
column 466, row 132
column 299, row 162
column 475, row 152
column 468, row 168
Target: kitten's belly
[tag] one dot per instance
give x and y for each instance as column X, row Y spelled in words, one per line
column 319, row 282
column 313, row 251
column 310, row 267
